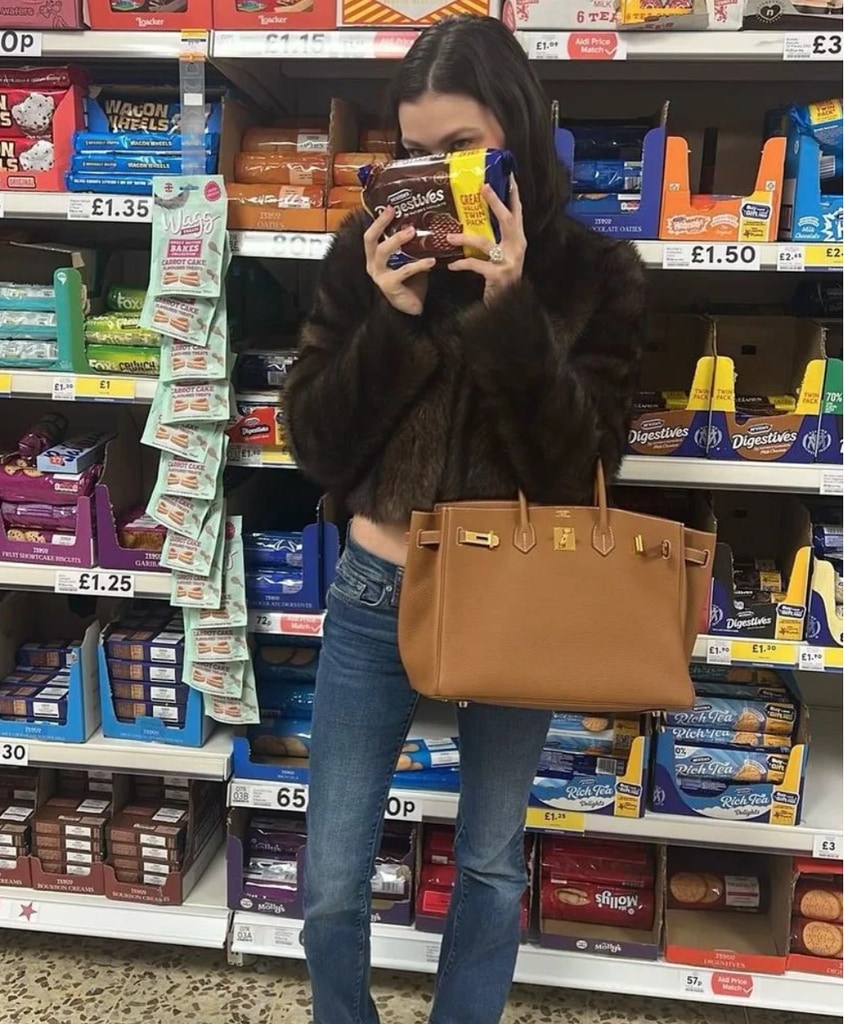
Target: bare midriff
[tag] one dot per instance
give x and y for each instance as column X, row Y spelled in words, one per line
column 385, row 540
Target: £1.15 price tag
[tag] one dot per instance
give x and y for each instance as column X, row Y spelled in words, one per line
column 14, row 753
column 95, row 582
column 126, row 209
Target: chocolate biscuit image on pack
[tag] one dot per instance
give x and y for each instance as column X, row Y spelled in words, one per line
column 438, row 196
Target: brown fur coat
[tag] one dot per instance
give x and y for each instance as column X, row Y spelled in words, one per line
column 396, row 412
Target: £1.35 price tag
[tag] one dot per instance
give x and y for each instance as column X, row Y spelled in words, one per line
column 14, row 753
column 126, row 209
column 95, row 582
column 710, row 256
column 812, row 46
column 827, row 847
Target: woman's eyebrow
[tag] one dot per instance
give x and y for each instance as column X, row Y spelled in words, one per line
column 444, row 143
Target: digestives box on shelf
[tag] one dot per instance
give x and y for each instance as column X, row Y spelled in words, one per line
column 144, row 17
column 27, row 617
column 816, row 933
column 550, row 15
column 767, row 390
column 725, row 212
column 741, row 936
column 672, row 409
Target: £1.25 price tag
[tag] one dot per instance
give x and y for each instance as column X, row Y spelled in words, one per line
column 14, row 753
column 95, row 582
column 827, row 847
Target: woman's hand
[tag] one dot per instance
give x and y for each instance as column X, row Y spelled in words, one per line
column 499, row 274
column 405, row 289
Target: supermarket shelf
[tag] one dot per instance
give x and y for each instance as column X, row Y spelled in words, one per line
column 111, row 45
column 717, row 650
column 213, row 761
column 76, row 386
column 201, row 921
column 660, row 471
column 29, row 576
column 404, row 949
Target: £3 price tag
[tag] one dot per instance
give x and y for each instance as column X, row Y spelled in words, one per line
column 812, row 46
column 827, row 847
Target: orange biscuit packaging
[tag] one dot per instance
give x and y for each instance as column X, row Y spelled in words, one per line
column 276, row 169
column 345, row 197
column 286, row 141
column 347, row 166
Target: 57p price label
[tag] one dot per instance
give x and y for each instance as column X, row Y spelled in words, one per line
column 126, row 209
column 96, row 583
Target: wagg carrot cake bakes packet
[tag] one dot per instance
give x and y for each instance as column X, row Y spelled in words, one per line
column 189, row 236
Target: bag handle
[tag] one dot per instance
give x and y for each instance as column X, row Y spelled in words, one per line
column 524, row 534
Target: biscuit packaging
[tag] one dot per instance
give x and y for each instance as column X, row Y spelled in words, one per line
column 133, row 360
column 21, row 482
column 217, row 645
column 179, row 477
column 129, row 710
column 196, row 556
column 273, row 169
column 27, row 154
column 142, row 671
column 816, row 938
column 703, row 737
column 282, row 141
column 597, row 903
column 739, row 715
column 592, row 734
column 189, row 236
column 138, row 531
column 195, row 589
column 724, row 765
column 194, row 441
column 438, row 196
column 148, row 645
column 818, row 898
column 696, row 890
column 568, row 860
column 47, row 654
column 223, row 679
column 152, row 693
column 182, row 318
column 184, row 516
column 75, row 454
column 32, row 515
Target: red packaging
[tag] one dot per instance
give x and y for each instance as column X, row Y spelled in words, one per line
column 816, row 938
column 557, row 850
column 818, row 899
column 434, row 902
column 438, row 876
column 598, row 904
column 149, row 15
column 43, row 78
column 439, row 846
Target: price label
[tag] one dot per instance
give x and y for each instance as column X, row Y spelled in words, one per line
column 126, row 209
column 827, row 847
column 105, row 389
column 287, row 938
column 790, row 257
column 287, row 624
column 243, row 933
column 718, row 652
column 761, row 652
column 403, row 808
column 695, row 983
column 830, row 481
column 824, row 257
column 14, row 753
column 20, row 44
column 244, row 455
column 273, row 457
column 5, row 383
column 292, row 798
column 558, row 821
column 811, row 659
column 95, row 582
column 710, row 256
column 546, row 46
column 812, row 46
column 193, row 44
column 64, row 389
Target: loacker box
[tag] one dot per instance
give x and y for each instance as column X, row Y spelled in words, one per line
column 146, row 17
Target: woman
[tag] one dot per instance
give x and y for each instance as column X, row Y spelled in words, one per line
column 430, row 383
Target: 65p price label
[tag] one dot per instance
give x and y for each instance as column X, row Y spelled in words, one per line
column 96, row 583
column 126, row 209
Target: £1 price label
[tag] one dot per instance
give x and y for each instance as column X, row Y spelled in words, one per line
column 95, row 582
column 105, row 389
column 14, row 753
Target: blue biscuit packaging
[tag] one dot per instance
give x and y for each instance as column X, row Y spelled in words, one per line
column 160, row 143
column 744, row 691
column 47, row 654
column 269, row 587
column 117, row 162
column 142, row 671
column 274, row 549
column 276, row 663
column 704, row 737
column 562, row 764
column 286, row 700
column 169, row 714
column 142, row 114
column 146, row 645
column 778, row 718
column 152, row 692
column 417, row 755
column 592, row 734
column 35, row 702
column 729, row 765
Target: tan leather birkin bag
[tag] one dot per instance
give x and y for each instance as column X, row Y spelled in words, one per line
column 559, row 607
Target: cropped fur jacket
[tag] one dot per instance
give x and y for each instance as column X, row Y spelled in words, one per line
column 469, row 401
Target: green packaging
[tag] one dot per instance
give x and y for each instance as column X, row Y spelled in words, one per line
column 189, row 479
column 189, row 236
column 119, row 329
column 196, row 557
column 205, row 646
column 223, row 679
column 137, row 360
column 122, row 298
column 188, row 590
column 231, row 711
column 194, row 441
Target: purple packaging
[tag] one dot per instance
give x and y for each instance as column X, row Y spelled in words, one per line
column 21, row 482
column 164, row 647
column 266, row 878
column 155, row 693
column 34, row 703
column 32, row 515
column 74, row 455
column 46, row 431
column 143, row 672
column 167, row 714
column 48, row 654
column 270, row 837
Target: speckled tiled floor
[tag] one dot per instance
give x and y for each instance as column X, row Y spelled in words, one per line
column 55, row 979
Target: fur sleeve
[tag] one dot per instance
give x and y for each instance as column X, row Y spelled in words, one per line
column 558, row 382
column 361, row 365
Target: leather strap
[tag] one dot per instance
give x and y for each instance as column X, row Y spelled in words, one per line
column 696, row 556
column 428, row 538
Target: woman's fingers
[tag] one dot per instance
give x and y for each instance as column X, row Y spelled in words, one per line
column 477, row 242
column 515, row 202
column 412, row 269
column 392, row 244
column 376, row 230
column 482, row 267
column 497, row 207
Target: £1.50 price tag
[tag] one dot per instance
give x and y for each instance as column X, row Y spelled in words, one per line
column 14, row 753
column 710, row 256
column 95, row 582
column 126, row 209
column 827, row 847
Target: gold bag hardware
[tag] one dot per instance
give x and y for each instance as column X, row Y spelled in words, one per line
column 499, row 616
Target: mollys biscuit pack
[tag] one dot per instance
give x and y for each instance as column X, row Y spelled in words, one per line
column 438, row 196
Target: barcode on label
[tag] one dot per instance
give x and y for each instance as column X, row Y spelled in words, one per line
column 388, row 886
column 606, row 766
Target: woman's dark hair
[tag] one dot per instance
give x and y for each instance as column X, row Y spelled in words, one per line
column 480, row 58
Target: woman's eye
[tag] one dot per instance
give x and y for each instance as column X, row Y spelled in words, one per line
column 460, row 144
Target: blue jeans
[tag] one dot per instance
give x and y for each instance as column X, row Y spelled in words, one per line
column 362, row 712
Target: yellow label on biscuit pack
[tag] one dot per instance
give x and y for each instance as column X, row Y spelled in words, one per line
column 824, row 111
column 466, row 177
column 105, row 388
